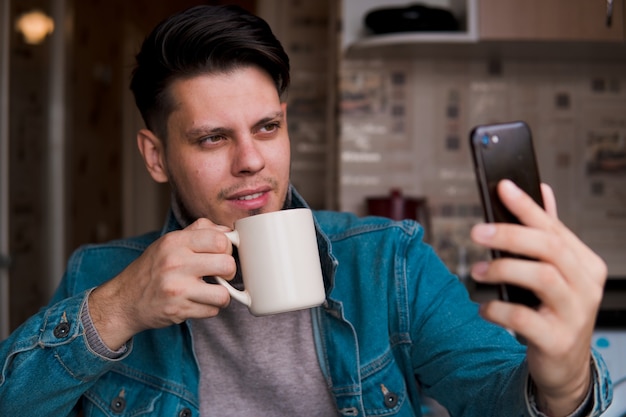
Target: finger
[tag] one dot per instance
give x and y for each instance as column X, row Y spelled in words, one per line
column 204, row 223
column 520, row 319
column 206, row 294
column 531, row 214
column 196, row 239
column 541, row 278
column 513, row 238
column 193, row 253
column 522, row 205
column 191, row 298
column 559, row 237
column 539, row 327
column 561, row 248
column 209, row 241
column 202, row 265
column 549, row 201
column 200, row 307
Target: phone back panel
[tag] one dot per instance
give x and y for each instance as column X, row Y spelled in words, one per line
column 505, row 151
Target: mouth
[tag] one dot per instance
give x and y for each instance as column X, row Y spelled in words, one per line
column 249, row 197
column 248, row 200
column 260, row 195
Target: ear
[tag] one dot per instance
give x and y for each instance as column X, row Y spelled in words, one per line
column 283, row 107
column 153, row 153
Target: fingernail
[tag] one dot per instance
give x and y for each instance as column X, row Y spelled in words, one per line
column 511, row 187
column 479, row 270
column 482, row 308
column 483, row 231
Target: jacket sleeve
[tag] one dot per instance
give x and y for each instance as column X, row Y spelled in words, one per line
column 46, row 364
column 472, row 367
column 599, row 395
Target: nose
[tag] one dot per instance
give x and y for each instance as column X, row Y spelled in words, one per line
column 247, row 158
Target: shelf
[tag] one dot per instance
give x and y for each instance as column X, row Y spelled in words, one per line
column 462, row 48
column 357, row 43
column 412, row 38
column 355, row 35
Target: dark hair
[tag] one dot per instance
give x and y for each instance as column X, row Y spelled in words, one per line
column 199, row 40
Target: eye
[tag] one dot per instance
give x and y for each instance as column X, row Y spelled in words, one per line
column 270, row 127
column 213, row 139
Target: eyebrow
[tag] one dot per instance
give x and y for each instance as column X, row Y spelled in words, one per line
column 208, row 130
column 278, row 115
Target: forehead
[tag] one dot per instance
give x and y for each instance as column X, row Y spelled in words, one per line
column 217, row 88
column 244, row 95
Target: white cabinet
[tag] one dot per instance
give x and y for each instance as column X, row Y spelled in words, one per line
column 488, row 21
column 353, row 13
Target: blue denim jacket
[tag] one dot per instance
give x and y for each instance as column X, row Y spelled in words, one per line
column 396, row 325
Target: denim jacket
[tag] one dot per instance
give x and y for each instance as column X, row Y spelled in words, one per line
column 396, row 325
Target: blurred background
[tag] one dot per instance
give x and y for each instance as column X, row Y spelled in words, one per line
column 379, row 116
column 70, row 170
column 383, row 97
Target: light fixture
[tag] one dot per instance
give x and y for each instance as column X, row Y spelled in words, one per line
column 34, row 26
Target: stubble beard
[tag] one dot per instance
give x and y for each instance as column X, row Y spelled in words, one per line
column 186, row 217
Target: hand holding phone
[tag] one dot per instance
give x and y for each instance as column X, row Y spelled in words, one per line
column 505, row 151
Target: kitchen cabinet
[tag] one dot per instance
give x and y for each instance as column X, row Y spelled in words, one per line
column 553, row 20
column 534, row 22
column 355, row 35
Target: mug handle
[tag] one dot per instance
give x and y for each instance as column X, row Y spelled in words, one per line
column 242, row 296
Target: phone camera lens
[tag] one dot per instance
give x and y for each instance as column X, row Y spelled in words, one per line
column 485, row 140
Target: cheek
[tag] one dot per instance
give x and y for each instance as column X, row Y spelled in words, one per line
column 191, row 173
column 206, row 175
column 282, row 157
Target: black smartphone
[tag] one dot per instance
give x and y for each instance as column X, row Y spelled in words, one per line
column 505, row 151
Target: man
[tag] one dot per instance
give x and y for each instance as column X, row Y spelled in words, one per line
column 135, row 329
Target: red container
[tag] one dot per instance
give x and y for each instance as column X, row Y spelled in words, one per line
column 397, row 207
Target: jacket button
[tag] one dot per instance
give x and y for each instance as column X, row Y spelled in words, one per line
column 118, row 404
column 61, row 330
column 185, row 412
column 391, row 400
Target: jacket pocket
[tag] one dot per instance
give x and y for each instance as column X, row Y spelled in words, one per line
column 115, row 395
column 384, row 389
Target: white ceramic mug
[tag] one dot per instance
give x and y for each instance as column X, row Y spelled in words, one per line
column 280, row 262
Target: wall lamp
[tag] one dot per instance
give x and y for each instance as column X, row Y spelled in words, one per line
column 34, row 26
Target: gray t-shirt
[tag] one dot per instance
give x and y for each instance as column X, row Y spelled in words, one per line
column 259, row 366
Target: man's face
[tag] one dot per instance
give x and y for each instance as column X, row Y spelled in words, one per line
column 227, row 154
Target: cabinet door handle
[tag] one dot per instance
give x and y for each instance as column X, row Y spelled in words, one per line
column 609, row 13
